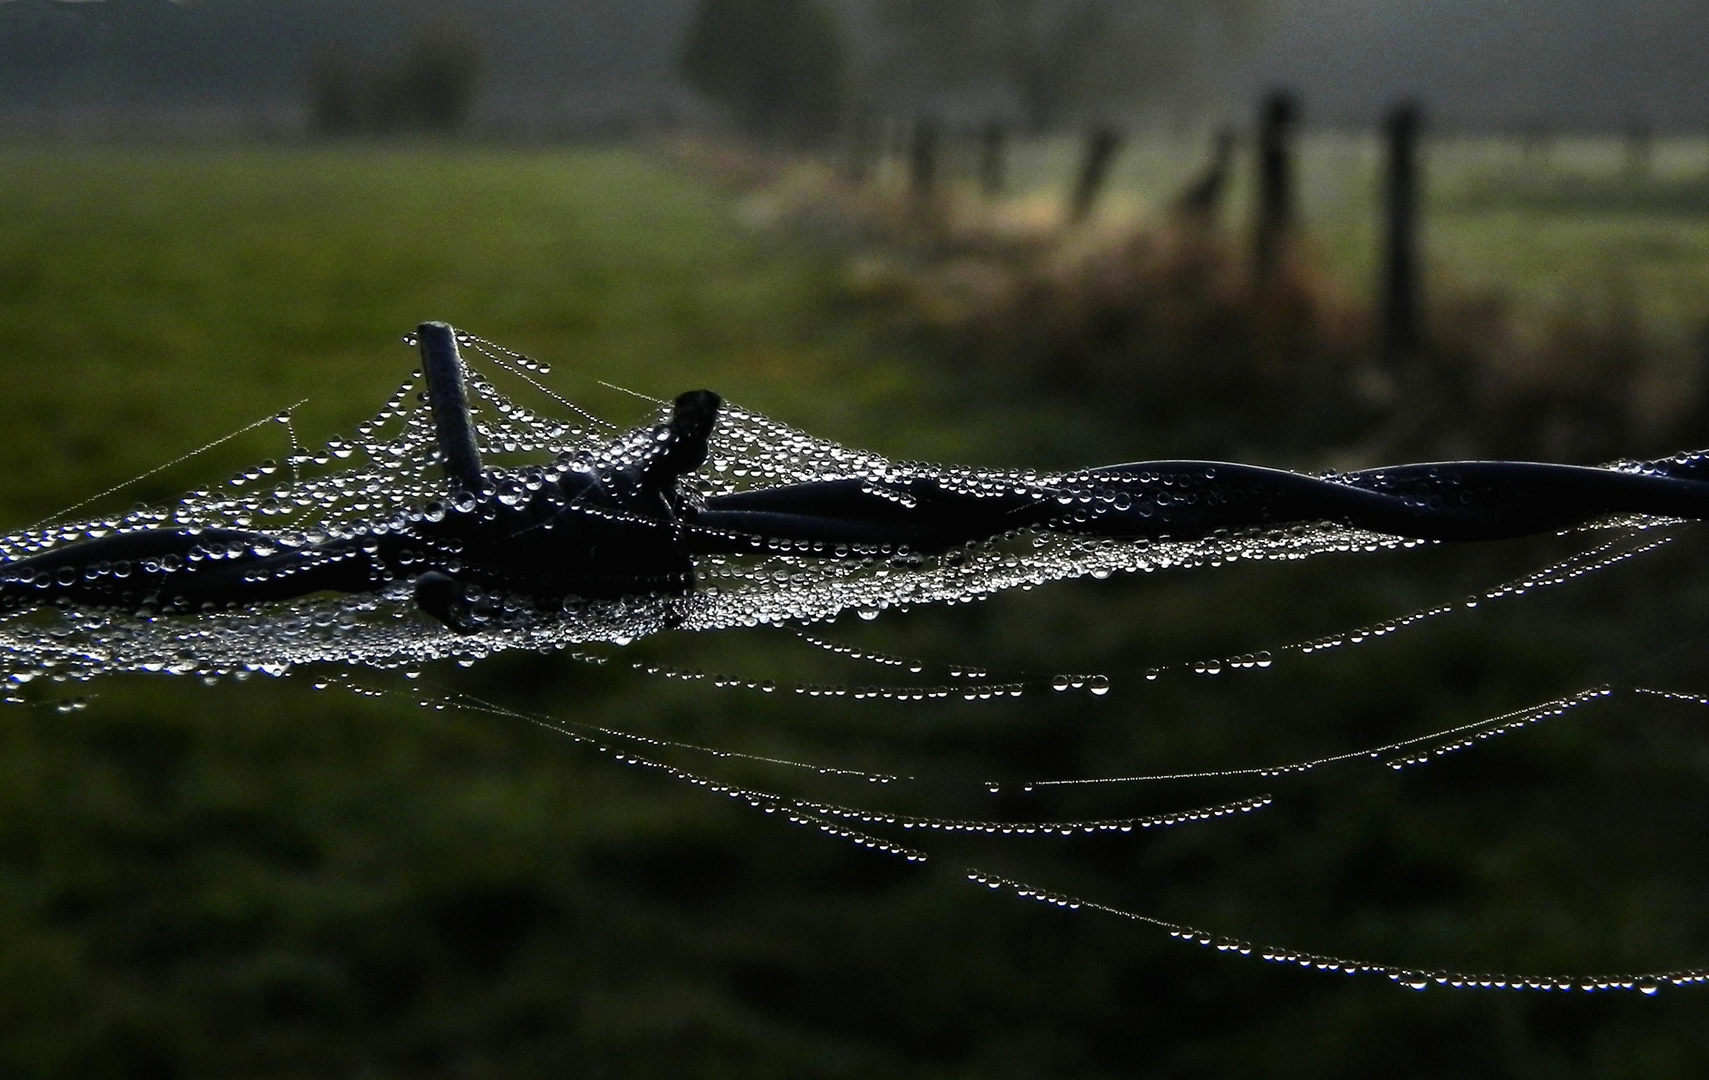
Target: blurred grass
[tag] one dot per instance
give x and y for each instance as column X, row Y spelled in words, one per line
column 176, row 295
column 270, row 881
column 1544, row 225
column 1564, row 306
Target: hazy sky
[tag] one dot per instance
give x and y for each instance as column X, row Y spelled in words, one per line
column 1572, row 63
column 1581, row 62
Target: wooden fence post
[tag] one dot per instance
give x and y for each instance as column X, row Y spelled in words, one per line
column 1640, row 149
column 442, row 367
column 861, row 148
column 923, row 157
column 1276, row 211
column 1201, row 199
column 993, row 145
column 1402, row 332
column 1101, row 146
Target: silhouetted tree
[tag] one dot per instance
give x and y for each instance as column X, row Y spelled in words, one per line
column 430, row 84
column 779, row 66
column 339, row 93
column 435, row 82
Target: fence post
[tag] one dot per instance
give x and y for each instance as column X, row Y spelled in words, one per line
column 1101, row 146
column 442, row 366
column 923, row 157
column 1640, row 149
column 859, row 149
column 1536, row 144
column 1402, row 333
column 1201, row 199
column 993, row 142
column 1275, row 181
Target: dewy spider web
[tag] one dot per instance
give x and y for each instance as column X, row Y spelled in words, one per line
column 388, row 472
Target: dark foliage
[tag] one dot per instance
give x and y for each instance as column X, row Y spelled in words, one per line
column 434, row 82
column 429, row 86
column 778, row 66
column 338, row 93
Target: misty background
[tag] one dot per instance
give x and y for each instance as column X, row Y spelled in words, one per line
column 1484, row 65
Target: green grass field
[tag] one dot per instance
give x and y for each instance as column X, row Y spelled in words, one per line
column 176, row 295
column 269, row 881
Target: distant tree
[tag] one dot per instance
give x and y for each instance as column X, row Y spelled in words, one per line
column 779, row 67
column 430, row 84
column 435, row 81
column 1056, row 58
column 338, row 93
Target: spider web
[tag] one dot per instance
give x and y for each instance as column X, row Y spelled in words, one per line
column 385, row 475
